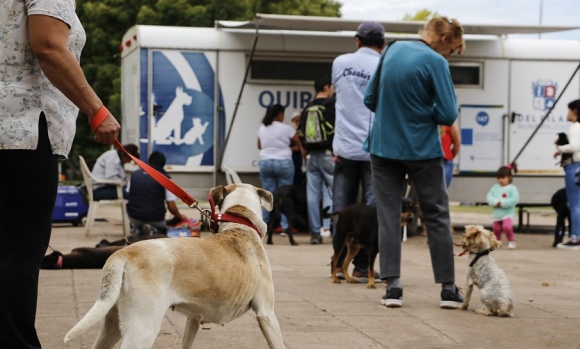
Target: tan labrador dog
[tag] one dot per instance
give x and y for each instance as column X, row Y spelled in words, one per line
column 210, row 280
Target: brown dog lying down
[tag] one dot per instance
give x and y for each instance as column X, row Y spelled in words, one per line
column 90, row 257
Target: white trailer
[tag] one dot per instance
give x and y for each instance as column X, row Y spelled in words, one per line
column 199, row 94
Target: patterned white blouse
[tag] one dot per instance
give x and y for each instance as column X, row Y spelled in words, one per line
column 25, row 91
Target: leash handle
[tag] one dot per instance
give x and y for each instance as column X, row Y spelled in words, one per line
column 167, row 183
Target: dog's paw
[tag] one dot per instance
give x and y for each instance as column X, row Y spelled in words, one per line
column 464, row 306
column 371, row 286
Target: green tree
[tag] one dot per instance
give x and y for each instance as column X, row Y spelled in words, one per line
column 106, row 21
column 421, row 15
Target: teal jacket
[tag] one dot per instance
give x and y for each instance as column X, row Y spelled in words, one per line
column 415, row 96
column 508, row 196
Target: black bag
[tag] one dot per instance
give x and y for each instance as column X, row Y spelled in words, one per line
column 565, row 158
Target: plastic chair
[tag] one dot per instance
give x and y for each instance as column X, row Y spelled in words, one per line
column 94, row 204
column 231, row 175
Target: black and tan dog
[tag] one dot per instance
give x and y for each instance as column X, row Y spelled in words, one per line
column 358, row 227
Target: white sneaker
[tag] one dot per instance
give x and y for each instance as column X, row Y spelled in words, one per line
column 511, row 245
column 325, row 232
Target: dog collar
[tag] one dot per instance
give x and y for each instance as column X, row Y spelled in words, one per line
column 480, row 254
column 215, row 219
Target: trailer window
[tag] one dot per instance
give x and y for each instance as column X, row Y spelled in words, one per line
column 287, row 70
column 466, row 74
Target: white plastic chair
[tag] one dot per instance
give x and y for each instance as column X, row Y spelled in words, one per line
column 94, row 204
column 231, row 175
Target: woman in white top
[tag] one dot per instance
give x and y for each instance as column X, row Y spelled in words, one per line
column 570, row 170
column 274, row 141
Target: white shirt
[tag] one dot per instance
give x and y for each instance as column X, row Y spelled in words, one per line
column 25, row 91
column 275, row 141
column 351, row 73
column 574, row 142
column 109, row 166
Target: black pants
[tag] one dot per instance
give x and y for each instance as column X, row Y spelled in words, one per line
column 28, row 185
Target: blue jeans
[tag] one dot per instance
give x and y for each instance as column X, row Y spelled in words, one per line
column 389, row 183
column 349, row 176
column 448, row 166
column 573, row 194
column 319, row 174
column 275, row 173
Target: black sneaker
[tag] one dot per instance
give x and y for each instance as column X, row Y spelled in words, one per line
column 451, row 299
column 315, row 239
column 393, row 298
column 570, row 245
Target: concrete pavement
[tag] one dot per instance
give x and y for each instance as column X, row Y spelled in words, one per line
column 314, row 313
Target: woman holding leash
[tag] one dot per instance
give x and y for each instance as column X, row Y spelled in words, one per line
column 414, row 96
column 43, row 88
column 570, row 170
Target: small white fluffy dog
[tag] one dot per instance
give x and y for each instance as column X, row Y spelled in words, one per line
column 216, row 279
column 496, row 293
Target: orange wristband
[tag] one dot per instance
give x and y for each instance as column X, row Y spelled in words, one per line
column 99, row 117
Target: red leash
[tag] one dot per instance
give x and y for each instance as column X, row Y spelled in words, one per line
column 167, row 183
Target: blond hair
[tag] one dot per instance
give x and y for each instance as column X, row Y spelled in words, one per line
column 444, row 27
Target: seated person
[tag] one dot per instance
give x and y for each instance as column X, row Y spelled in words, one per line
column 110, row 166
column 147, row 200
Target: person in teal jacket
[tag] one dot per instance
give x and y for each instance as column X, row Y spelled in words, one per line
column 415, row 95
column 503, row 198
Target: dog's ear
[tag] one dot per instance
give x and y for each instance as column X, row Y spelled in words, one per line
column 218, row 193
column 266, row 199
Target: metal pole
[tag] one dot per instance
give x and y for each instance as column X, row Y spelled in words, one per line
column 546, row 116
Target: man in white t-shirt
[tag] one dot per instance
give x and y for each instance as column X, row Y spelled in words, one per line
column 351, row 73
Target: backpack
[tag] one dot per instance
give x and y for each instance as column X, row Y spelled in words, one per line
column 316, row 129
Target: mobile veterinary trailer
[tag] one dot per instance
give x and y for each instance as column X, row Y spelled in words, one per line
column 199, row 94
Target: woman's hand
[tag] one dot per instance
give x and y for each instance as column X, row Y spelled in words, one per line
column 108, row 131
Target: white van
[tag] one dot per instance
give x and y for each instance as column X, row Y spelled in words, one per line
column 199, row 94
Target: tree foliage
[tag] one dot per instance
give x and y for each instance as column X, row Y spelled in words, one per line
column 421, row 15
column 106, row 21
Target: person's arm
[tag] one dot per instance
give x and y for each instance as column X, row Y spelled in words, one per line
column 48, row 38
column 445, row 100
column 298, row 142
column 456, row 139
column 172, row 207
column 259, row 144
column 512, row 199
column 491, row 197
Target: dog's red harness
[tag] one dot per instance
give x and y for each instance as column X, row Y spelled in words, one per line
column 168, row 184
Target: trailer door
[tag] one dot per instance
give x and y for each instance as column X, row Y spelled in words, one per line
column 534, row 87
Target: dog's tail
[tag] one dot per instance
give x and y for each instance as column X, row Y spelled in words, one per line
column 326, row 214
column 111, row 283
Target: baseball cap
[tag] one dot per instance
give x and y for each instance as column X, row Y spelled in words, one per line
column 370, row 29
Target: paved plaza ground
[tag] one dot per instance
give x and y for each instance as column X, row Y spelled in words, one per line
column 314, row 313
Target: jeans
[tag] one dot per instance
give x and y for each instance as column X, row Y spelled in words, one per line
column 349, row 175
column 275, row 173
column 448, row 166
column 319, row 174
column 108, row 192
column 389, row 183
column 573, row 195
